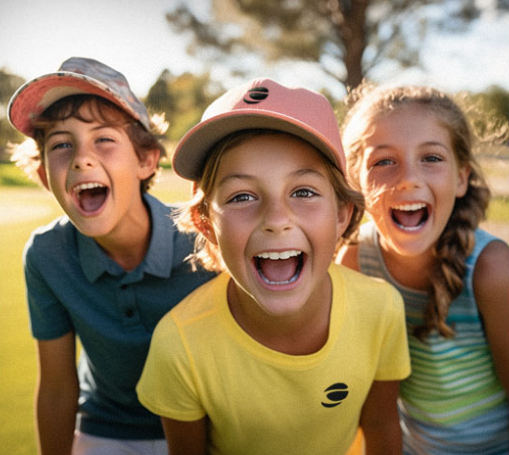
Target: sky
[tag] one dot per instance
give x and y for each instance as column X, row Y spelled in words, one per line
column 133, row 37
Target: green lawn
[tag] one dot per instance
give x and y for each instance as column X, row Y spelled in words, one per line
column 17, row 358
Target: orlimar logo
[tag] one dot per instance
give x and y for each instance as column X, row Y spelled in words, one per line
column 256, row 94
column 336, row 393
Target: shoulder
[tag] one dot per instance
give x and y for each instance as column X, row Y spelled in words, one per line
column 490, row 273
column 202, row 302
column 57, row 236
column 165, row 234
column 352, row 255
column 160, row 212
column 364, row 290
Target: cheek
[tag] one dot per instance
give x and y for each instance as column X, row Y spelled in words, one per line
column 372, row 189
column 230, row 230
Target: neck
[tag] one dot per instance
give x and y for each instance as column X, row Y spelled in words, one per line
column 303, row 333
column 127, row 245
column 412, row 272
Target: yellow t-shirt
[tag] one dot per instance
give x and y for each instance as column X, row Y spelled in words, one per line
column 260, row 401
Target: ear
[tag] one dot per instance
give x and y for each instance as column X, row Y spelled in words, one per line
column 203, row 224
column 43, row 177
column 148, row 163
column 345, row 212
column 463, row 176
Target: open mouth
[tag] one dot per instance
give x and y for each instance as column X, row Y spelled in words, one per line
column 278, row 268
column 410, row 217
column 91, row 196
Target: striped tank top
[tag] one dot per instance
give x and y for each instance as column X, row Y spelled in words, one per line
column 453, row 402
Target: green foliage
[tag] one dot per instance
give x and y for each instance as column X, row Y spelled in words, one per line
column 10, row 175
column 9, row 83
column 182, row 99
column 159, row 98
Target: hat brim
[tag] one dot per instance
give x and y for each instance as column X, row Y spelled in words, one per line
column 192, row 151
column 37, row 95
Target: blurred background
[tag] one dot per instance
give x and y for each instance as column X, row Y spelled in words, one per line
column 179, row 55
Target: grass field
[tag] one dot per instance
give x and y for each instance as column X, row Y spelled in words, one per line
column 22, row 209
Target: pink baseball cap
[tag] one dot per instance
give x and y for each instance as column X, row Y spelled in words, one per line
column 76, row 76
column 261, row 104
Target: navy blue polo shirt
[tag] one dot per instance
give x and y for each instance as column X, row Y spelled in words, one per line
column 72, row 285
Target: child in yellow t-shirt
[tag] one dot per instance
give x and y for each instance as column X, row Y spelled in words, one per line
column 283, row 352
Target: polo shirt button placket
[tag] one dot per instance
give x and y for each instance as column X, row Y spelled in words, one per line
column 127, row 302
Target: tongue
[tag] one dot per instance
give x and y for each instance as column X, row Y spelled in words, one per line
column 92, row 200
column 408, row 218
column 280, row 270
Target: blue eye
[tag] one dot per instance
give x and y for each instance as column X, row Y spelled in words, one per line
column 105, row 139
column 243, row 197
column 61, row 145
column 384, row 162
column 433, row 159
column 304, row 193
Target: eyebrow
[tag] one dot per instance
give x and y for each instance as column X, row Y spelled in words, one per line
column 434, row 144
column 298, row 173
column 424, row 144
column 55, row 133
column 95, row 128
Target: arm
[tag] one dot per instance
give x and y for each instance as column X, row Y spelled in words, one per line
column 57, row 395
column 491, row 288
column 380, row 419
column 185, row 438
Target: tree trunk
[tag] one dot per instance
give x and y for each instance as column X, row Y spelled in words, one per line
column 352, row 30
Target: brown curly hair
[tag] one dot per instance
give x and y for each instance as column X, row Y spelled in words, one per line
column 30, row 154
column 456, row 242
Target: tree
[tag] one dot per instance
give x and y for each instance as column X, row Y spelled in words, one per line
column 182, row 98
column 348, row 38
column 9, row 83
column 159, row 98
column 489, row 113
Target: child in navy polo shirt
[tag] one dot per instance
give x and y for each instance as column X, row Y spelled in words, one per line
column 108, row 270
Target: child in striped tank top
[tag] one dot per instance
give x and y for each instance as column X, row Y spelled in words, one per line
column 409, row 150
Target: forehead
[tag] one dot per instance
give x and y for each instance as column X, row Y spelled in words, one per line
column 410, row 123
column 86, row 109
column 271, row 151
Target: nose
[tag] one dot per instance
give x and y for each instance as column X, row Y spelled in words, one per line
column 277, row 217
column 408, row 177
column 83, row 158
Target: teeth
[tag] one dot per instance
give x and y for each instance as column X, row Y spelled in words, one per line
column 87, row 186
column 282, row 255
column 410, row 207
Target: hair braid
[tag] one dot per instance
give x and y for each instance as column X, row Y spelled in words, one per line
column 451, row 251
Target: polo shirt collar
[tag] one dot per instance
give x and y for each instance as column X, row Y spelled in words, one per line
column 159, row 257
